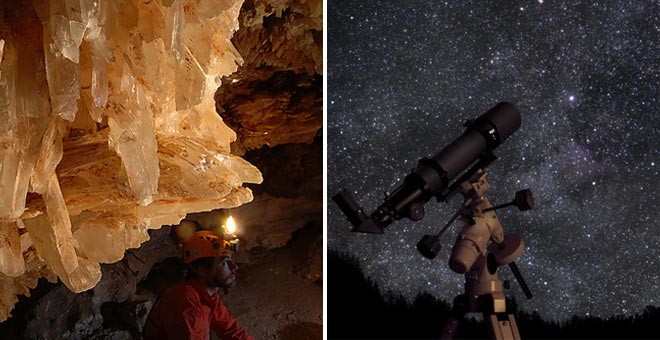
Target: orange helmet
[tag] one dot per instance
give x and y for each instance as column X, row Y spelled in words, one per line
column 206, row 244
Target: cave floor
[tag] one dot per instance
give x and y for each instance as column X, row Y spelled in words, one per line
column 272, row 300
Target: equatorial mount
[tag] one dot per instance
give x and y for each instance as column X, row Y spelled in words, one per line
column 429, row 246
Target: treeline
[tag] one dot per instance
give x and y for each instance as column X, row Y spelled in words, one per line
column 358, row 310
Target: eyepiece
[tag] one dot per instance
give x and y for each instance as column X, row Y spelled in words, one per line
column 350, row 207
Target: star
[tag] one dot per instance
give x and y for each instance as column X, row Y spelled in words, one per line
column 401, row 90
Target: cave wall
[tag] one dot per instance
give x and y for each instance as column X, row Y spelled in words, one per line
column 289, row 196
column 275, row 97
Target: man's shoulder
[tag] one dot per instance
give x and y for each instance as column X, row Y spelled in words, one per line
column 184, row 289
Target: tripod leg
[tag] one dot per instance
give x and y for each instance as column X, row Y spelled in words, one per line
column 458, row 311
column 503, row 326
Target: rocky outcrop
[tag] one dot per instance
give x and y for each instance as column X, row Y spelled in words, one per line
column 276, row 96
column 290, row 196
column 114, row 301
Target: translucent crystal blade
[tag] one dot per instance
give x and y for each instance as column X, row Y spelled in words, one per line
column 50, row 155
column 11, row 257
column 51, row 234
column 176, row 17
column 132, row 137
column 10, row 200
column 191, row 83
column 23, row 108
column 63, row 78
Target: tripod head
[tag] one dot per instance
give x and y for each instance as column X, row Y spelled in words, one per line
column 429, row 245
column 439, row 176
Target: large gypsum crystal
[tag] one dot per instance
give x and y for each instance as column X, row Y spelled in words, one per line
column 109, row 129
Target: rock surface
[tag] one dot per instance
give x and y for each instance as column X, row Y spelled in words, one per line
column 272, row 300
column 276, row 96
column 278, row 294
column 289, row 197
column 64, row 314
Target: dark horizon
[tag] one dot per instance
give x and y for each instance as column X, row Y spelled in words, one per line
column 359, row 309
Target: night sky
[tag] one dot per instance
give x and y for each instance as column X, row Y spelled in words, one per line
column 404, row 75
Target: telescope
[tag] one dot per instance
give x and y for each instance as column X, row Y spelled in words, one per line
column 481, row 246
column 438, row 176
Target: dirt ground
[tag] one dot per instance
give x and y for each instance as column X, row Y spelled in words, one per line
column 272, row 300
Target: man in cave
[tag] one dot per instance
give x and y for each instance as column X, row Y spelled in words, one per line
column 191, row 308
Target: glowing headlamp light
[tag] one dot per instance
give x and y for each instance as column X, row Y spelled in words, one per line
column 231, row 240
column 230, row 226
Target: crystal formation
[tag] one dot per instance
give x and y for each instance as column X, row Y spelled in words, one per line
column 110, row 130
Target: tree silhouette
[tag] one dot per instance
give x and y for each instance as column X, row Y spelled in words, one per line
column 357, row 309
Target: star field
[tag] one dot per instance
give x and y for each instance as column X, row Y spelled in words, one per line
column 402, row 78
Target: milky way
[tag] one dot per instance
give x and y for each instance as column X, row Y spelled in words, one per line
column 404, row 75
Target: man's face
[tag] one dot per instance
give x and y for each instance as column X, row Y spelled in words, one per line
column 223, row 273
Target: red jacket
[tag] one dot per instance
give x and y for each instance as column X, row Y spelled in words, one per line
column 187, row 311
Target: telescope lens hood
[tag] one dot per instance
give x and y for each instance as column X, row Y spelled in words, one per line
column 505, row 117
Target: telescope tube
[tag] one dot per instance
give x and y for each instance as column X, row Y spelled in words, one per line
column 433, row 175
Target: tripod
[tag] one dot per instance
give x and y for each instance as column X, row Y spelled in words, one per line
column 488, row 299
column 479, row 261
